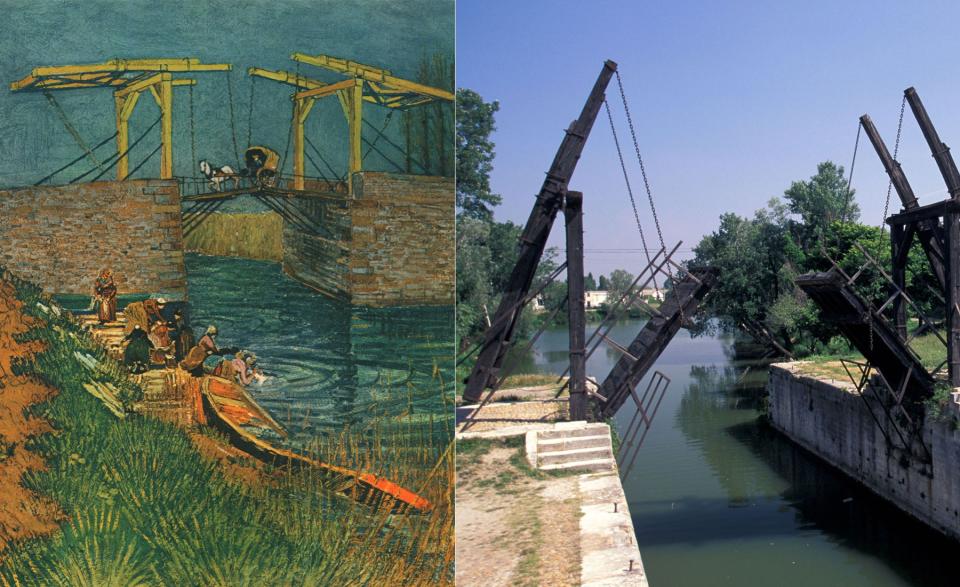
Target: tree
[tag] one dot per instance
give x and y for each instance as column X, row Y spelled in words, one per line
column 428, row 129
column 821, row 201
column 604, row 283
column 620, row 281
column 589, row 283
column 475, row 153
column 748, row 254
column 473, row 275
column 759, row 258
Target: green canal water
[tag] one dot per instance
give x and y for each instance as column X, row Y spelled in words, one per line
column 329, row 364
column 718, row 498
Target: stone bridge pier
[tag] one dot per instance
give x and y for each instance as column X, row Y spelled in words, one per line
column 60, row 237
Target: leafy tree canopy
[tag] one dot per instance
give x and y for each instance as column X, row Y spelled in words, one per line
column 758, row 259
column 475, row 153
column 822, row 200
column 589, row 283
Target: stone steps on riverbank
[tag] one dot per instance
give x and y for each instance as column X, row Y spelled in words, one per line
column 110, row 335
column 168, row 393
column 571, row 446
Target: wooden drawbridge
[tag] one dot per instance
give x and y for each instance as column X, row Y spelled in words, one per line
column 679, row 302
column 689, row 288
column 872, row 334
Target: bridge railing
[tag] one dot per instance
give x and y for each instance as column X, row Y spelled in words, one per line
column 197, row 186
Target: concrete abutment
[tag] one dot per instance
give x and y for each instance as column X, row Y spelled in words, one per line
column 830, row 420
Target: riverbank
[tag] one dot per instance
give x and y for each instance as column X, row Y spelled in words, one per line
column 136, row 500
column 530, row 509
column 828, row 417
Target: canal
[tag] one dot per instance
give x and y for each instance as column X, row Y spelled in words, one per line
column 328, row 364
column 719, row 498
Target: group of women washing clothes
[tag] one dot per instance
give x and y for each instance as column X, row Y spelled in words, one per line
column 157, row 336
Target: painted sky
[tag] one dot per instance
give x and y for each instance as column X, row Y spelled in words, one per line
column 731, row 101
column 33, row 141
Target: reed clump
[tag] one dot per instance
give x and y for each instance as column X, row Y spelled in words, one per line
column 249, row 235
column 145, row 507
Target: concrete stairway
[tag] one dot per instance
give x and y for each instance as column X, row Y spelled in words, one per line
column 571, row 446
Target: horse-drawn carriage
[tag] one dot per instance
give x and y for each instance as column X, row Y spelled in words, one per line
column 262, row 166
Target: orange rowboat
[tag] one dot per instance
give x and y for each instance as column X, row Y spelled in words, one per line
column 229, row 407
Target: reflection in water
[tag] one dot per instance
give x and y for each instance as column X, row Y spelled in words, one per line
column 329, row 363
column 719, row 498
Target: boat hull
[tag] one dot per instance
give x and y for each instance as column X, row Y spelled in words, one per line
column 229, row 408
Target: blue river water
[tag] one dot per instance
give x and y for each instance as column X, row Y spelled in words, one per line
column 719, row 498
column 328, row 364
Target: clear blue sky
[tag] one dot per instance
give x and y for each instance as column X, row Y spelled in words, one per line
column 732, row 101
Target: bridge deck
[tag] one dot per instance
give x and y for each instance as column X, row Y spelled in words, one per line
column 883, row 348
column 274, row 191
column 682, row 300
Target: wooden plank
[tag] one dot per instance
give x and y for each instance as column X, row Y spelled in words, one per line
column 680, row 301
column 872, row 336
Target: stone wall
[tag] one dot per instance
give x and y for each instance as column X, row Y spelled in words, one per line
column 61, row 236
column 321, row 261
column 390, row 244
column 403, row 240
column 832, row 421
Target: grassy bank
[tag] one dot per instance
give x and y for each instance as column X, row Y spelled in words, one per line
column 143, row 506
column 927, row 347
column 248, row 235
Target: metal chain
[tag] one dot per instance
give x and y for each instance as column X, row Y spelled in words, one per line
column 376, row 139
column 194, row 164
column 853, row 164
column 626, row 179
column 896, row 150
column 643, row 169
column 233, row 126
column 70, row 128
column 846, row 201
column 646, row 185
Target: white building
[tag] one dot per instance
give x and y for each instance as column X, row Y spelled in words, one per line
column 655, row 293
column 594, row 299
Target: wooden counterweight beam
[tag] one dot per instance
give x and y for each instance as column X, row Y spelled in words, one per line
column 939, row 149
column 127, row 79
column 373, row 74
column 928, row 231
column 533, row 240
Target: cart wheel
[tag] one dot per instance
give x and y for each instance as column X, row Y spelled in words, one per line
column 267, row 178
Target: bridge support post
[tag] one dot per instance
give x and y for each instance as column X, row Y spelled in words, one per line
column 573, row 213
column 124, row 105
column 165, row 101
column 952, row 228
column 899, row 248
column 356, row 126
column 301, row 110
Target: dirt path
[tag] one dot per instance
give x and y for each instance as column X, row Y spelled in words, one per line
column 23, row 514
column 514, row 526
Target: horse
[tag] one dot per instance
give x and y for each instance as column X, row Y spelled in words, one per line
column 219, row 175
